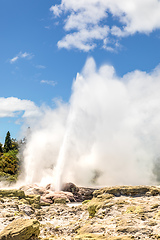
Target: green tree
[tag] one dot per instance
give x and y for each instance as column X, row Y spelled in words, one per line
column 1, row 149
column 9, row 164
column 15, row 144
column 8, row 143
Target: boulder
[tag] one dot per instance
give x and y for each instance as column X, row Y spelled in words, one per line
column 34, row 201
column 132, row 191
column 12, row 193
column 99, row 237
column 121, row 238
column 26, row 209
column 98, row 202
column 80, row 193
column 89, row 237
column 51, row 197
column 70, row 187
column 60, row 200
column 21, row 229
column 33, row 189
column 84, row 193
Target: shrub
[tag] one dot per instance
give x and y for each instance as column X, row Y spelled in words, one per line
column 9, row 162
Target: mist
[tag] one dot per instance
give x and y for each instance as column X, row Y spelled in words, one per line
column 107, row 134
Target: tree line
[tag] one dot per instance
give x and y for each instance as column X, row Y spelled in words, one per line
column 9, row 159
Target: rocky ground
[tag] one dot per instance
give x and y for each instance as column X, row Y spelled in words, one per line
column 108, row 213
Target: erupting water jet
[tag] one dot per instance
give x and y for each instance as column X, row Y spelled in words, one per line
column 110, row 126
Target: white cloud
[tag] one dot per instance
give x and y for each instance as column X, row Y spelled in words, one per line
column 84, row 38
column 84, row 20
column 47, row 27
column 12, row 107
column 111, row 45
column 26, row 55
column 20, row 55
column 56, row 10
column 41, row 66
column 52, row 83
column 14, row 59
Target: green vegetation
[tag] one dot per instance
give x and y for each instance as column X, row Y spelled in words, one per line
column 9, row 161
column 8, row 143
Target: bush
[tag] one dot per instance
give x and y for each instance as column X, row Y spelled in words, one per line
column 9, row 162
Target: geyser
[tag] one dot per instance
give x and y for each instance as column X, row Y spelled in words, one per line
column 108, row 133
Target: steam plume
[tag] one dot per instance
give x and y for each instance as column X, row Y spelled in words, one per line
column 108, row 133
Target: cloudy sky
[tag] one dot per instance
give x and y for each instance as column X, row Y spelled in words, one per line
column 44, row 43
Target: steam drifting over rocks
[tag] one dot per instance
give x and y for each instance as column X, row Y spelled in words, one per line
column 108, row 133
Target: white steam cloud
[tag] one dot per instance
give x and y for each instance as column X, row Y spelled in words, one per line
column 108, row 133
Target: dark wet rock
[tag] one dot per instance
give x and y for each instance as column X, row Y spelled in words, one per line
column 84, row 193
column 79, row 193
column 70, row 187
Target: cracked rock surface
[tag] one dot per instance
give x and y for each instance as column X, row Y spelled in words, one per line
column 120, row 212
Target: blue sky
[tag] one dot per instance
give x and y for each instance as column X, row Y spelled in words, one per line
column 45, row 43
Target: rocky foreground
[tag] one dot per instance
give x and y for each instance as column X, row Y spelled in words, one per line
column 121, row 212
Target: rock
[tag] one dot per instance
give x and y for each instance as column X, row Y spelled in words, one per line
column 46, row 200
column 89, row 236
column 114, row 213
column 157, row 215
column 43, row 204
column 70, row 190
column 104, row 196
column 12, row 193
column 133, row 191
column 121, row 238
column 33, row 198
column 52, row 196
column 127, row 229
column 21, row 229
column 33, row 189
column 23, row 201
column 96, row 228
column 70, row 187
column 135, row 209
column 36, row 206
column 79, row 193
column 7, row 214
column 34, row 201
column 100, row 202
column 84, row 194
column 66, row 195
column 60, row 200
column 95, row 237
column 49, row 186
column 27, row 209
